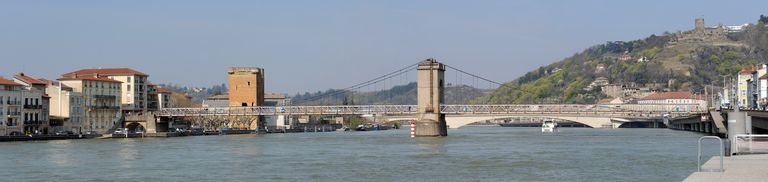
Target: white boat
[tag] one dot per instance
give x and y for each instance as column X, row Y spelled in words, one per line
column 548, row 126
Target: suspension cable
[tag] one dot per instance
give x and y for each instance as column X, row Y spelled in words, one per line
column 363, row 84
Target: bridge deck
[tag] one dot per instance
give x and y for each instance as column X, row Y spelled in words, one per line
column 640, row 111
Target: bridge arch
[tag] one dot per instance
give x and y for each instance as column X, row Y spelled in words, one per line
column 135, row 126
column 455, row 122
column 594, row 122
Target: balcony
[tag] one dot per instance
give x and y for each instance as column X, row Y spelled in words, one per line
column 33, row 106
column 16, row 103
column 104, row 107
column 14, row 114
column 36, row 122
column 104, row 96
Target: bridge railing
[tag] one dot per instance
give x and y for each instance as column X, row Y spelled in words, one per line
column 562, row 108
column 448, row 109
column 291, row 110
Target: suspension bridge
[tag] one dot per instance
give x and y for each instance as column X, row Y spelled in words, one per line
column 432, row 116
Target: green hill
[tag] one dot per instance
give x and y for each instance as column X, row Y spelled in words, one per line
column 398, row 95
column 681, row 61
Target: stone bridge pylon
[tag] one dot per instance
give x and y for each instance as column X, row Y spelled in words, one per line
column 430, row 81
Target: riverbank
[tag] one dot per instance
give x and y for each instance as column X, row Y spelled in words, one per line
column 742, row 168
column 44, row 137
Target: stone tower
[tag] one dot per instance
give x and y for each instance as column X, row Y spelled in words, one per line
column 246, row 89
column 246, row 86
column 700, row 25
column 430, row 95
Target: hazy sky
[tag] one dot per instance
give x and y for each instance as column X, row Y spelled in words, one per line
column 316, row 45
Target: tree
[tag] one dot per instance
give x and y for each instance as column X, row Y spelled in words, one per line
column 763, row 20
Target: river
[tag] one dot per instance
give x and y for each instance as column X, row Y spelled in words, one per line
column 473, row 153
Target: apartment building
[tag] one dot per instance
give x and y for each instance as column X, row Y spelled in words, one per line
column 10, row 108
column 66, row 107
column 164, row 98
column 35, row 109
column 135, row 87
column 101, row 98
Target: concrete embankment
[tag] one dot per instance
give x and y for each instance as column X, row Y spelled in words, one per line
column 44, row 137
column 741, row 168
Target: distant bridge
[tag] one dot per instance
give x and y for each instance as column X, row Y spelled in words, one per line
column 595, row 116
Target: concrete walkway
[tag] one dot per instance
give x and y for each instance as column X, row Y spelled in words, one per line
column 742, row 168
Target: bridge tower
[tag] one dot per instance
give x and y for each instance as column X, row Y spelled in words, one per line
column 430, row 83
column 246, row 89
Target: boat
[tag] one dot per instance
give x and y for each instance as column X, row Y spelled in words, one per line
column 548, row 126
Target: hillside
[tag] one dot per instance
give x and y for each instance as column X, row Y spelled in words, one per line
column 398, row 95
column 681, row 61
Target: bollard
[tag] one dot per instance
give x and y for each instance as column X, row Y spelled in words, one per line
column 413, row 129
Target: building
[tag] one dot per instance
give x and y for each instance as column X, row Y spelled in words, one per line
column 625, row 56
column 152, row 100
column 10, row 108
column 598, row 83
column 101, row 100
column 164, row 98
column 216, row 101
column 754, row 85
column 180, row 100
column 135, row 94
column 748, row 83
column 246, row 86
column 599, row 68
column 673, row 100
column 66, row 107
column 35, row 110
column 280, row 121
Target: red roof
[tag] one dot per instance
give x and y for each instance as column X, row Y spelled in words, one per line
column 105, row 72
column 765, row 76
column 672, row 95
column 91, row 79
column 750, row 70
column 28, row 80
column 163, row 90
column 8, row 82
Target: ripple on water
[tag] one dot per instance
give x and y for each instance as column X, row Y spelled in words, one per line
column 468, row 154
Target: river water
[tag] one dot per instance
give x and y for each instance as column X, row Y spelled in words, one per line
column 468, row 154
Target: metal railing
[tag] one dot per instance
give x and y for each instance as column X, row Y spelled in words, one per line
column 580, row 110
column 32, row 106
column 722, row 154
column 750, row 144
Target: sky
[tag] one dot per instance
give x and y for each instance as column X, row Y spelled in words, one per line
column 316, row 45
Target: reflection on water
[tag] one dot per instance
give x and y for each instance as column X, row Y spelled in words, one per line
column 59, row 153
column 467, row 154
column 431, row 146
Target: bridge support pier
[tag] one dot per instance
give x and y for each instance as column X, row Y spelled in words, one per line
column 430, row 122
column 431, row 125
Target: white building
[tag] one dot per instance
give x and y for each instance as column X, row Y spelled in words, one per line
column 35, row 109
column 134, row 94
column 673, row 101
column 10, row 108
column 164, row 98
column 67, row 107
column 101, row 101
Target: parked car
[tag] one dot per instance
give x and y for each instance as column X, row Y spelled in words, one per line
column 64, row 133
